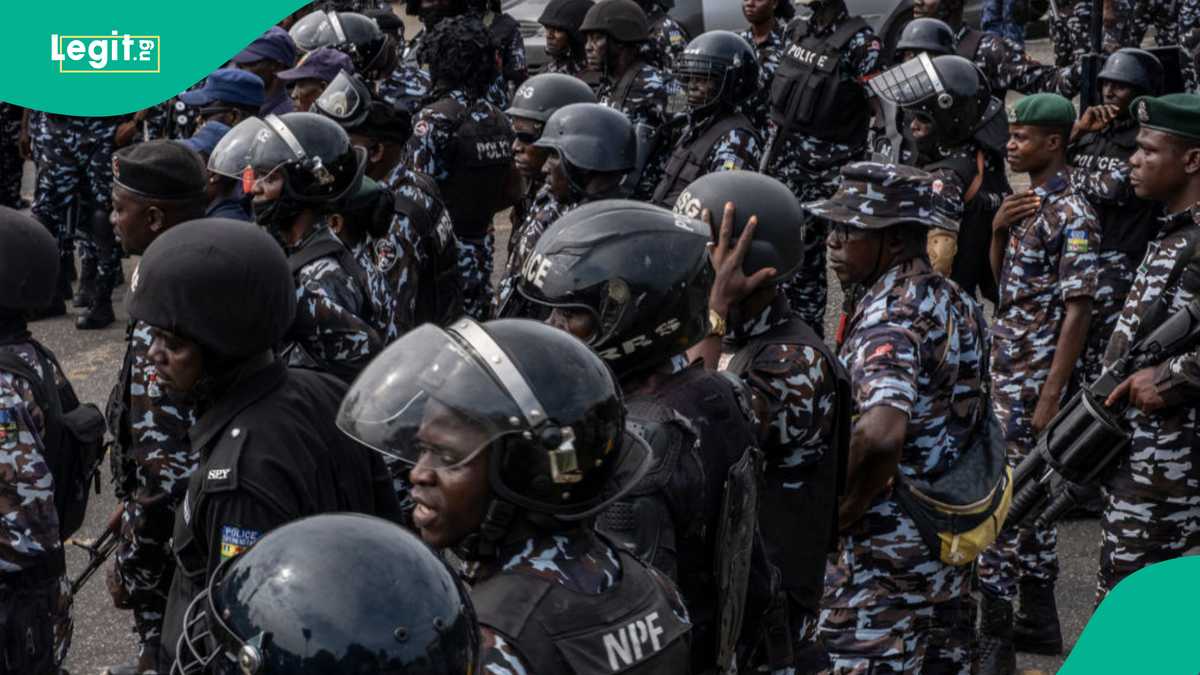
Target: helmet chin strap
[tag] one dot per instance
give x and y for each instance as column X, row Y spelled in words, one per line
column 483, row 543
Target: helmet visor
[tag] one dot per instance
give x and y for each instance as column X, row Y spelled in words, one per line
column 342, row 102
column 429, row 398
column 318, row 29
column 253, row 144
column 909, row 83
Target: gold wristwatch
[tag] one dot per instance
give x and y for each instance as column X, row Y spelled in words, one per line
column 717, row 322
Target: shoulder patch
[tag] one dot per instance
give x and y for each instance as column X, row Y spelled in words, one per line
column 220, row 472
column 421, row 129
column 1077, row 241
column 235, row 540
column 385, row 255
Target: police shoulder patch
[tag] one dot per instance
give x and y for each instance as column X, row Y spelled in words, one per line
column 1077, row 241
column 385, row 255
column 235, row 540
column 421, row 128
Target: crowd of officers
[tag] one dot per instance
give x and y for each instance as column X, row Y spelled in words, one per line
column 638, row 452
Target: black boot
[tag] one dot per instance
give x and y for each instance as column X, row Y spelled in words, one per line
column 996, row 655
column 100, row 314
column 86, row 294
column 1036, row 629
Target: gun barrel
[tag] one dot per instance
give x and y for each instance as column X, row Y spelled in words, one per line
column 1025, row 502
column 98, row 552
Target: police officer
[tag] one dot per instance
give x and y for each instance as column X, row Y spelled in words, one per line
column 156, row 186
column 925, row 35
column 801, row 395
column 945, row 100
column 218, row 294
column 388, row 584
column 506, row 36
column 415, row 70
column 819, row 120
column 768, row 20
column 465, row 144
column 297, row 167
column 719, row 70
column 590, row 151
column 1044, row 254
column 916, row 351
column 268, row 55
column 1152, row 506
column 1102, row 142
column 1003, row 61
column 564, row 41
column 619, row 258
column 510, row 459
column 404, row 238
column 226, row 199
column 74, row 179
column 615, row 31
column 33, row 583
column 372, row 52
column 667, row 37
column 312, row 74
column 228, row 96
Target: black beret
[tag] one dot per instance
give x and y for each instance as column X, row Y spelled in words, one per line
column 160, row 169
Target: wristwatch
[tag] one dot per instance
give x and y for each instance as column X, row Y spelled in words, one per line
column 717, row 322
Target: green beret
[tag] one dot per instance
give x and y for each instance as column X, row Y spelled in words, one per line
column 1042, row 110
column 1177, row 114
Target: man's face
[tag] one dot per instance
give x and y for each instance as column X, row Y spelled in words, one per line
column 1030, row 148
column 556, row 176
column 1158, row 165
column 451, row 496
column 305, row 92
column 574, row 320
column 701, row 90
column 558, row 41
column 527, row 159
column 1117, row 94
column 928, row 8
column 178, row 361
column 853, row 253
column 758, row 11
column 133, row 220
column 596, row 50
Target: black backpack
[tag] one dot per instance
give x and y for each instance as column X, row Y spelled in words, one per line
column 73, row 440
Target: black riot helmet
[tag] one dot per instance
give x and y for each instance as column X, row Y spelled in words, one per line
column 727, row 60
column 370, row 49
column 567, row 15
column 1137, row 68
column 431, row 17
column 621, row 20
column 592, row 137
column 640, row 271
column 28, row 262
column 932, row 36
column 337, row 594
column 541, row 95
column 223, row 283
column 349, row 102
column 547, row 409
column 778, row 240
column 948, row 90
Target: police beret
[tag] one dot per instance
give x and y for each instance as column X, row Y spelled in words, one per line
column 874, row 196
column 160, row 169
column 1177, row 114
column 1042, row 110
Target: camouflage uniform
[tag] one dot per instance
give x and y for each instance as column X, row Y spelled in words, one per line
column 1008, row 67
column 329, row 332
column 647, row 96
column 1152, row 509
column 74, row 157
column 406, row 87
column 565, row 66
column 29, row 526
column 152, row 461
column 1050, row 258
column 667, row 41
column 757, row 107
column 998, row 19
column 809, row 167
column 11, row 163
column 918, row 344
column 546, row 209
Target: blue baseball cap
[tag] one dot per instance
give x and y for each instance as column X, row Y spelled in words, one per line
column 206, row 137
column 274, row 45
column 228, row 85
column 320, row 64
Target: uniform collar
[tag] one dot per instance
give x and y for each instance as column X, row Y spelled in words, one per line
column 319, row 231
column 1057, row 183
column 248, row 390
column 1176, row 221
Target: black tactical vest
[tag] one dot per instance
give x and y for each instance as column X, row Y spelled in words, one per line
column 1126, row 227
column 810, row 95
column 630, row 628
column 799, row 527
column 439, row 284
column 688, row 160
column 975, row 230
column 480, row 162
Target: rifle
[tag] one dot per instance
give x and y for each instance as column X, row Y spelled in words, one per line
column 1085, row 439
column 1089, row 87
column 99, row 551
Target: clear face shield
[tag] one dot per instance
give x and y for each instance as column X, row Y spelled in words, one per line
column 911, row 83
column 257, row 147
column 318, row 29
column 344, row 101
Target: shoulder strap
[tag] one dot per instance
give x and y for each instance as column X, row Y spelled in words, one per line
column 723, row 126
column 323, row 248
column 977, row 181
column 332, row 247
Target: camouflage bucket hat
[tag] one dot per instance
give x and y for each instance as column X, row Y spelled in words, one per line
column 874, row 196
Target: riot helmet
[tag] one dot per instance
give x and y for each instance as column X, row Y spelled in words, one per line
column 337, row 594
column 621, row 20
column 541, row 95
column 723, row 60
column 28, row 262
column 567, row 15
column 545, row 407
column 222, row 283
column 369, row 48
column 949, row 91
column 592, row 137
column 1137, row 68
column 932, row 36
column 436, row 12
column 349, row 102
column 318, row 162
column 778, row 240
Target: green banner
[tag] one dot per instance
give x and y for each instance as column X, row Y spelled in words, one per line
column 110, row 58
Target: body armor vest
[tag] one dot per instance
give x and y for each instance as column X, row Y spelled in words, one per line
column 479, row 165
column 811, row 95
column 1126, row 227
column 689, row 159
